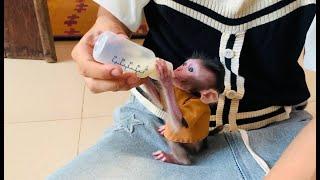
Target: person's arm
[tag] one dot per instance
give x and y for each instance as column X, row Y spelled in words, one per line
column 107, row 22
column 298, row 162
column 105, row 77
column 309, row 58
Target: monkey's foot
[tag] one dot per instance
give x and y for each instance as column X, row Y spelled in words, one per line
column 165, row 157
column 161, row 130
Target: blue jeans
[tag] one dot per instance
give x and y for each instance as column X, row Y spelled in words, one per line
column 124, row 151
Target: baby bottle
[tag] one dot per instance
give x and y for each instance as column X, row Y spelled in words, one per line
column 111, row 48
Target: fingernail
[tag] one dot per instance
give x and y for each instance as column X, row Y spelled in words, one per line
column 115, row 72
column 133, row 80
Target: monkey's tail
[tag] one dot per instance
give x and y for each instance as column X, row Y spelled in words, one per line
column 212, row 133
column 216, row 130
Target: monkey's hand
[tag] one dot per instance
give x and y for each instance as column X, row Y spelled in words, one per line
column 165, row 75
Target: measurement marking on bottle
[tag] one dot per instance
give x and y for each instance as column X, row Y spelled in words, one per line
column 129, row 65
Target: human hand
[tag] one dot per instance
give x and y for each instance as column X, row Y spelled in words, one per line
column 100, row 77
column 165, row 75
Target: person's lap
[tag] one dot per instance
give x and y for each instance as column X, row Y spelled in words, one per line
column 124, row 151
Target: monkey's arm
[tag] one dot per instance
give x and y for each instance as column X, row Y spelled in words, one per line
column 153, row 92
column 168, row 96
column 176, row 118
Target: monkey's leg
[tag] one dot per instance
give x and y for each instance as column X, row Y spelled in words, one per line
column 195, row 147
column 179, row 155
column 164, row 157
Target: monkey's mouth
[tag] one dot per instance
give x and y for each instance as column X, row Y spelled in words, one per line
column 175, row 78
column 179, row 80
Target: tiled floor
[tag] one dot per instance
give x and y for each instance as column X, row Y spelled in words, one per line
column 50, row 116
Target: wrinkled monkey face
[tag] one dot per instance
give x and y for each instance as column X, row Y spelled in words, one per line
column 192, row 76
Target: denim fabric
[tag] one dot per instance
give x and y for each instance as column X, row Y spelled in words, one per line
column 124, row 151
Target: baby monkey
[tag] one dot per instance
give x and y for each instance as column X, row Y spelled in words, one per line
column 186, row 94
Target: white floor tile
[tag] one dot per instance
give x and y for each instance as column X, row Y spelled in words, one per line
column 92, row 130
column 38, row 91
column 102, row 104
column 34, row 150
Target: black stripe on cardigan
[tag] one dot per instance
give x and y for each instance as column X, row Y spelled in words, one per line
column 233, row 79
column 234, row 21
column 260, row 118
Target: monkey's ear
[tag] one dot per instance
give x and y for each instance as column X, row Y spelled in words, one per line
column 209, row 96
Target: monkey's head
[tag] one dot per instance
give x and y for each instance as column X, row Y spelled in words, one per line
column 201, row 76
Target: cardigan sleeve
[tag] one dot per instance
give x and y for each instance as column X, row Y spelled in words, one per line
column 129, row 12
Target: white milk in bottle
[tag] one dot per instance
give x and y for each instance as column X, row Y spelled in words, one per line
column 111, row 48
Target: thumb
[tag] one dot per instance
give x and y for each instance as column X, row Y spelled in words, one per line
column 123, row 36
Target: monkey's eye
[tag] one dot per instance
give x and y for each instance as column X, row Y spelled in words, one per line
column 190, row 69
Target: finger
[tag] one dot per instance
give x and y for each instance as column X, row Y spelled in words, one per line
column 98, row 85
column 96, row 70
column 160, row 156
column 165, row 70
column 123, row 36
column 156, row 153
column 144, row 80
column 93, row 38
column 170, row 73
column 130, row 86
column 134, row 85
column 164, row 66
column 161, row 70
column 164, row 159
column 82, row 54
column 158, row 70
column 162, row 62
column 131, row 78
column 159, row 59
